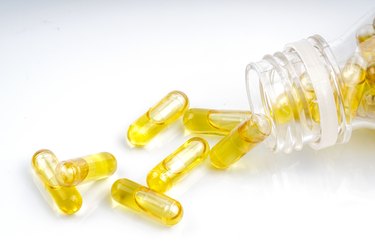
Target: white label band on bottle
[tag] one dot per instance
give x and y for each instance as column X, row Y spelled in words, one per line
column 324, row 95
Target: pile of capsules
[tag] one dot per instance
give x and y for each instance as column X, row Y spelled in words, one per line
column 359, row 75
column 60, row 178
column 241, row 131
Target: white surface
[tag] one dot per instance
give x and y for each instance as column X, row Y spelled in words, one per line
column 75, row 74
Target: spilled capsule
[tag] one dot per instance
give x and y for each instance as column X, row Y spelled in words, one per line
column 178, row 164
column 142, row 199
column 210, row 121
column 67, row 199
column 240, row 141
column 92, row 167
column 157, row 118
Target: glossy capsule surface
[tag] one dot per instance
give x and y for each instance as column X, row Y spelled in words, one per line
column 370, row 74
column 368, row 99
column 142, row 199
column 87, row 168
column 157, row 118
column 178, row 164
column 354, row 76
column 366, row 42
column 240, row 141
column 67, row 199
column 210, row 121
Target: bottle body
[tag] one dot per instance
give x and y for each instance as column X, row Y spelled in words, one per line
column 313, row 92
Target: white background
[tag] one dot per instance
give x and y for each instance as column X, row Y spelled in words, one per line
column 75, row 74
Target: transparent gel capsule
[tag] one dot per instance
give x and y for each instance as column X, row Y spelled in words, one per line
column 178, row 164
column 240, row 141
column 367, row 106
column 157, row 118
column 310, row 97
column 366, row 42
column 370, row 74
column 67, row 199
column 368, row 103
column 87, row 168
column 142, row 199
column 353, row 75
column 209, row 121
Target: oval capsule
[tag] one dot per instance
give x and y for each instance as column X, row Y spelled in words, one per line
column 370, row 74
column 142, row 199
column 366, row 42
column 67, row 199
column 240, row 141
column 157, row 118
column 354, row 78
column 87, row 168
column 210, row 121
column 178, row 164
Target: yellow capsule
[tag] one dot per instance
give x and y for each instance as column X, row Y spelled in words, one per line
column 209, row 121
column 67, row 199
column 142, row 199
column 240, row 141
column 178, row 164
column 353, row 75
column 157, row 118
column 310, row 96
column 87, row 168
column 370, row 74
column 282, row 111
column 366, row 42
column 368, row 103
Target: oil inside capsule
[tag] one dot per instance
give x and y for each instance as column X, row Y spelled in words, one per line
column 87, row 168
column 240, row 141
column 178, row 164
column 67, row 199
column 210, row 121
column 366, row 42
column 142, row 199
column 354, row 78
column 157, row 118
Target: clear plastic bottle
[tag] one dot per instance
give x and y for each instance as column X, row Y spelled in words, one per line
column 316, row 92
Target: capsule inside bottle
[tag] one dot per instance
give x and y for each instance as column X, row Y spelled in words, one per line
column 178, row 164
column 354, row 76
column 87, row 168
column 240, row 141
column 157, row 118
column 67, row 199
column 210, row 121
column 366, row 42
column 142, row 199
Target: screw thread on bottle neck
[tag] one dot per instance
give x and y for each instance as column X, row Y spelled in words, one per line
column 300, row 90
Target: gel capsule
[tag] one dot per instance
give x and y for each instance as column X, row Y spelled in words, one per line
column 178, row 164
column 67, row 199
column 353, row 75
column 87, row 168
column 240, row 141
column 370, row 74
column 142, row 199
column 209, row 121
column 366, row 42
column 157, row 118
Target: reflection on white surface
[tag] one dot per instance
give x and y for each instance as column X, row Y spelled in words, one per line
column 337, row 170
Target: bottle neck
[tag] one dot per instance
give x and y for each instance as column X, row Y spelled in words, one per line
column 300, row 89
